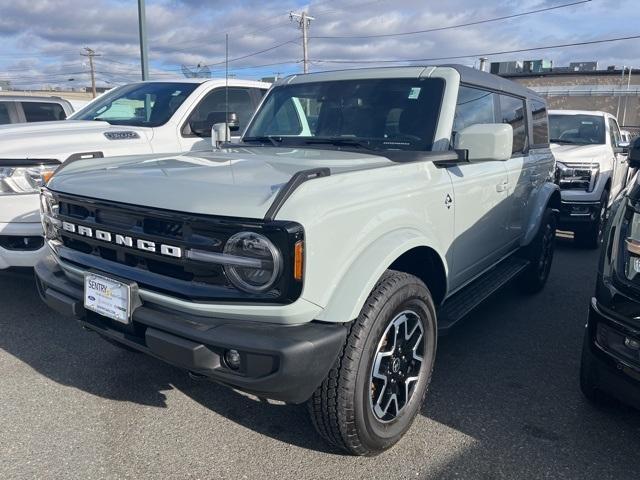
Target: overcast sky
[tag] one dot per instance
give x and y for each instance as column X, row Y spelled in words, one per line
column 42, row 39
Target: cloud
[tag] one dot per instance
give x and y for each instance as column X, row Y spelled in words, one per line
column 42, row 39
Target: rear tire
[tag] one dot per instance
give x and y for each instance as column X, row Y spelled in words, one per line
column 540, row 253
column 591, row 236
column 371, row 396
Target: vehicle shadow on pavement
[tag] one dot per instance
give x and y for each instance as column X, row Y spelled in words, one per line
column 59, row 349
column 508, row 377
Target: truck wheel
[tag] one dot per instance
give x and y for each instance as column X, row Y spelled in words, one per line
column 591, row 236
column 540, row 253
column 374, row 391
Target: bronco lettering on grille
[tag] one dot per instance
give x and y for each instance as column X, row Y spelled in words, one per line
column 123, row 240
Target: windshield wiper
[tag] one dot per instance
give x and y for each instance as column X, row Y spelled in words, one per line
column 339, row 142
column 275, row 141
column 558, row 140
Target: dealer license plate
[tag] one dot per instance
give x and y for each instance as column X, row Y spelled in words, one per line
column 107, row 297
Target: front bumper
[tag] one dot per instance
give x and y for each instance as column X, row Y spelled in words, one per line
column 576, row 215
column 21, row 244
column 282, row 362
column 616, row 368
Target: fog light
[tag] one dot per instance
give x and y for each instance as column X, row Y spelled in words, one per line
column 232, row 359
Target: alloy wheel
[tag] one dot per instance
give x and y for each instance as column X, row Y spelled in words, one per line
column 397, row 366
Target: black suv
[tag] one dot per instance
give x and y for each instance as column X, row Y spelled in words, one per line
column 611, row 350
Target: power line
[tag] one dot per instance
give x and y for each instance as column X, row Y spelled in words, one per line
column 457, row 57
column 449, row 27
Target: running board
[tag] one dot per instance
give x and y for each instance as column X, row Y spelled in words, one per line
column 464, row 301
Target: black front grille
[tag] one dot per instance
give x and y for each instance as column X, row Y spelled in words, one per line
column 176, row 276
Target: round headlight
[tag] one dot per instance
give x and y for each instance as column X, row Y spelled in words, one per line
column 258, row 275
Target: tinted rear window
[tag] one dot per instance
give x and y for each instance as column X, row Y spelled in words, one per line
column 43, row 111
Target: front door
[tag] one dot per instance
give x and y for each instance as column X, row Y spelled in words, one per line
column 481, row 209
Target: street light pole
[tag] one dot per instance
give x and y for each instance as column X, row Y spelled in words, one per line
column 142, row 27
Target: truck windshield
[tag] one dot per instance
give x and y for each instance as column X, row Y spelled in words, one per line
column 148, row 104
column 377, row 114
column 577, row 129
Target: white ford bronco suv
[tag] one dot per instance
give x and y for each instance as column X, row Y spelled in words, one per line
column 144, row 117
column 364, row 212
column 591, row 159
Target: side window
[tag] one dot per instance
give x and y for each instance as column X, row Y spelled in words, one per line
column 213, row 107
column 474, row 106
column 4, row 114
column 540, row 123
column 614, row 131
column 512, row 111
column 42, row 111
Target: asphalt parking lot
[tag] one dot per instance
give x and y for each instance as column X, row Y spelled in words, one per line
column 504, row 403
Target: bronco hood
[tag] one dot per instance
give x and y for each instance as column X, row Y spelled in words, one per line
column 61, row 139
column 235, row 182
column 580, row 153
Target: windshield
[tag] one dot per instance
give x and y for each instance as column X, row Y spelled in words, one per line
column 577, row 129
column 138, row 105
column 389, row 114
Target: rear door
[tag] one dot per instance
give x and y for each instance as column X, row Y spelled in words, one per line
column 521, row 167
column 481, row 196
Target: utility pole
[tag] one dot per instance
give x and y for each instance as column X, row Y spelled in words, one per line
column 91, row 53
column 142, row 27
column 626, row 99
column 304, row 21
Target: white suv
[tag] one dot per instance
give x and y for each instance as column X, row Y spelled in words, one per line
column 142, row 118
column 592, row 169
column 364, row 212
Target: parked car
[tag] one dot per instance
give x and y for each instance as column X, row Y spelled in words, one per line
column 611, row 349
column 364, row 212
column 145, row 117
column 22, row 108
column 591, row 169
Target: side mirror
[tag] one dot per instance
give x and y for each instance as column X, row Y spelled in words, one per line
column 219, row 134
column 634, row 154
column 623, row 147
column 486, row 141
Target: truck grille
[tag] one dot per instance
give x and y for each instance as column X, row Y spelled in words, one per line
column 180, row 277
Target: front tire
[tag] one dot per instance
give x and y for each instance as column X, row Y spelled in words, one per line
column 371, row 396
column 591, row 236
column 588, row 377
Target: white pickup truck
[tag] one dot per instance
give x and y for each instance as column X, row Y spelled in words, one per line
column 138, row 118
column 592, row 169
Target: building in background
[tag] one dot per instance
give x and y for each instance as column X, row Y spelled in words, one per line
column 5, row 85
column 581, row 86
